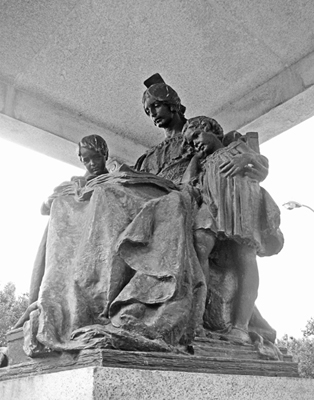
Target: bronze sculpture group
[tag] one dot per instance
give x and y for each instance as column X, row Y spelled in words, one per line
column 147, row 257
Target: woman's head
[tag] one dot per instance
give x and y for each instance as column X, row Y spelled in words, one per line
column 161, row 92
column 93, row 153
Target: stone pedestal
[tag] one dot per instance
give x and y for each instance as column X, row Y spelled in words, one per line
column 217, row 370
column 100, row 383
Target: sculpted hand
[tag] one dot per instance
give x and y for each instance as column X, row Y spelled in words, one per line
column 187, row 151
column 200, row 155
column 254, row 173
column 238, row 165
column 66, row 188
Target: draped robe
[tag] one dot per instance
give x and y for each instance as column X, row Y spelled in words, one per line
column 120, row 269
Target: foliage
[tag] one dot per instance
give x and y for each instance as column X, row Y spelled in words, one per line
column 309, row 328
column 11, row 309
column 302, row 350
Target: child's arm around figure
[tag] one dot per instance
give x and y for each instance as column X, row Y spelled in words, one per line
column 247, row 163
column 250, row 164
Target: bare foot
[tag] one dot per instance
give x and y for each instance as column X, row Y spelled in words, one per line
column 237, row 336
column 240, row 334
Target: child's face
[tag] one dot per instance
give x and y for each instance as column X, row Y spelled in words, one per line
column 202, row 141
column 94, row 162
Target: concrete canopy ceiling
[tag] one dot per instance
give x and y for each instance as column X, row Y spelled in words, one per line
column 70, row 68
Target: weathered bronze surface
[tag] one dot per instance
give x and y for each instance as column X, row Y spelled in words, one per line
column 220, row 358
column 147, row 258
column 117, row 266
column 236, row 220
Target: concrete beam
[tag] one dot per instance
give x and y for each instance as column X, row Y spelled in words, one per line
column 283, row 117
column 39, row 140
column 272, row 108
column 277, row 105
column 56, row 128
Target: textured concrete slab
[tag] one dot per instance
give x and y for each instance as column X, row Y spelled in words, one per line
column 73, row 68
column 99, row 383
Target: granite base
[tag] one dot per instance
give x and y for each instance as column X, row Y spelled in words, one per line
column 100, row 383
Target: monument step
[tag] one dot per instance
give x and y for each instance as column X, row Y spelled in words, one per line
column 219, row 348
column 152, row 361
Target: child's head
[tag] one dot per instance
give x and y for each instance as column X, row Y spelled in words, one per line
column 204, row 133
column 93, row 153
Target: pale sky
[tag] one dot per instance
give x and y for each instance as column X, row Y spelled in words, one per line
column 286, row 280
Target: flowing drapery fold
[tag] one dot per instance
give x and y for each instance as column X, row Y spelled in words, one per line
column 120, row 267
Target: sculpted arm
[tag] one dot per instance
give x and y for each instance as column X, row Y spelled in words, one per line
column 64, row 189
column 193, row 169
column 36, row 279
column 249, row 163
column 39, row 264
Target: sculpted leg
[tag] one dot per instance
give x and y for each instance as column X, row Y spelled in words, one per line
column 247, row 291
column 204, row 241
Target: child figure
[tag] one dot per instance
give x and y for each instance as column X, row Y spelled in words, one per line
column 234, row 207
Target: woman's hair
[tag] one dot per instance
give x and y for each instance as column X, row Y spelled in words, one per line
column 206, row 124
column 94, row 142
column 166, row 95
